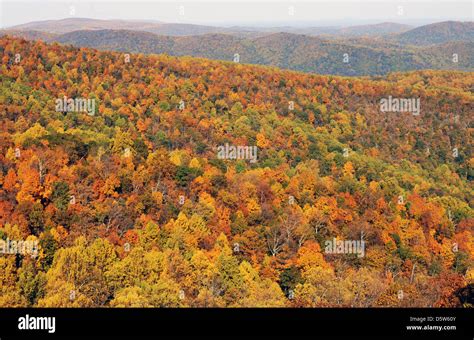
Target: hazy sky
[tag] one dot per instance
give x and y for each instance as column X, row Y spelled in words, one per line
column 242, row 12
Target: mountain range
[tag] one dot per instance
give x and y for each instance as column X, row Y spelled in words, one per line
column 348, row 51
column 180, row 29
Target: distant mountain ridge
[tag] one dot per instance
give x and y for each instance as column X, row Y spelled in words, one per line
column 374, row 30
column 76, row 24
column 350, row 55
column 438, row 33
column 179, row 29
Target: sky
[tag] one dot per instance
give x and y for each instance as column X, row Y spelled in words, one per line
column 242, row 12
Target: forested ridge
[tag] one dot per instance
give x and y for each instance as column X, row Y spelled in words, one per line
column 132, row 207
column 320, row 55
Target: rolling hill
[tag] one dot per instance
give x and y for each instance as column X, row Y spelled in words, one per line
column 350, row 51
column 375, row 29
column 438, row 33
column 76, row 24
column 132, row 204
column 283, row 50
column 180, row 29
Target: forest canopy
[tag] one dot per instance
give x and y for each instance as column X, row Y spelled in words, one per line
column 131, row 205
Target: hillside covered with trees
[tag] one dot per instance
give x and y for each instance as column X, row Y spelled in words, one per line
column 358, row 56
column 132, row 207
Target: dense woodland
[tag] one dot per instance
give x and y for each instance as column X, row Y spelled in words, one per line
column 351, row 51
column 346, row 57
column 157, row 220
